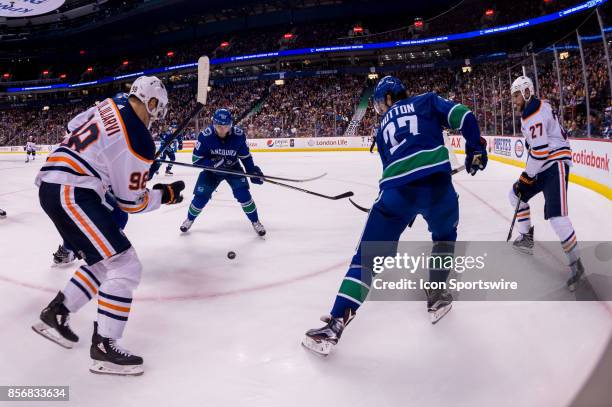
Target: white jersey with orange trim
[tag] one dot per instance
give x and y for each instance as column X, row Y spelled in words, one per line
column 107, row 148
column 546, row 138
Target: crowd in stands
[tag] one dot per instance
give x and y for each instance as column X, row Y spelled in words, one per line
column 239, row 98
column 325, row 105
column 313, row 107
column 466, row 16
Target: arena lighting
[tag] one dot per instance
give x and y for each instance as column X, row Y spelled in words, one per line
column 466, row 69
column 279, row 82
column 89, row 69
column 418, row 23
column 170, row 54
column 489, row 12
column 288, row 36
column 6, row 75
column 45, row 108
column 63, row 76
column 372, row 76
column 45, row 73
column 82, row 52
column 518, row 25
column 564, row 55
column 124, row 63
column 224, row 44
column 357, row 29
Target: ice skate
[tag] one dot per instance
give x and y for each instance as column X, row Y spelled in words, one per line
column 524, row 243
column 576, row 274
column 259, row 228
column 186, row 225
column 63, row 256
column 439, row 302
column 110, row 358
column 54, row 323
column 322, row 340
column 2, row 213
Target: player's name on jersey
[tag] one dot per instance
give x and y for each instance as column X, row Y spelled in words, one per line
column 395, row 111
column 109, row 119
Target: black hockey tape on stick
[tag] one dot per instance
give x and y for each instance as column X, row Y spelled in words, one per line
column 367, row 210
column 203, row 75
column 516, row 209
column 240, row 173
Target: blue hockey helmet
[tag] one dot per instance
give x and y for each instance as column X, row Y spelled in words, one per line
column 222, row 117
column 389, row 85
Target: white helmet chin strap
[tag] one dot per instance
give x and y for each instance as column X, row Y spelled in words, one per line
column 524, row 98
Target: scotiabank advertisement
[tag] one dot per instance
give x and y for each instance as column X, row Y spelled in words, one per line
column 590, row 157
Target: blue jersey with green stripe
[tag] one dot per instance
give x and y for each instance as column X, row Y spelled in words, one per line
column 214, row 151
column 410, row 141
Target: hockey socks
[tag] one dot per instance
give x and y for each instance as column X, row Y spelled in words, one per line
column 197, row 204
column 352, row 293
column 82, row 287
column 250, row 209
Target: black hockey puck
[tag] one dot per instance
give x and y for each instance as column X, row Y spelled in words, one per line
column 231, row 255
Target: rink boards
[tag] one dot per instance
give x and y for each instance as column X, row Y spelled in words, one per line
column 591, row 157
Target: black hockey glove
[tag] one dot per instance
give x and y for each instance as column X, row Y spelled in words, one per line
column 257, row 171
column 524, row 185
column 171, row 193
column 476, row 158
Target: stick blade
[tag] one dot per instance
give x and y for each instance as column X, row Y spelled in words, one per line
column 356, row 205
column 344, row 195
column 203, row 76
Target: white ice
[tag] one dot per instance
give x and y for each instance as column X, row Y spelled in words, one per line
column 220, row 332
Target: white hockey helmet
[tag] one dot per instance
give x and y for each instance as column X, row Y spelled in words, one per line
column 520, row 84
column 146, row 88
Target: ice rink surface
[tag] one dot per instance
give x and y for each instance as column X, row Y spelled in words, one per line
column 220, row 332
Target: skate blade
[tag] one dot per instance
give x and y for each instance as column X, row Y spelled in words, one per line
column 437, row 315
column 524, row 250
column 318, row 348
column 102, row 367
column 51, row 334
column 573, row 285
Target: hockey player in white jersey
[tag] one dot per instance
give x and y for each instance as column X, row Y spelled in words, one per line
column 108, row 148
column 547, row 171
column 30, row 149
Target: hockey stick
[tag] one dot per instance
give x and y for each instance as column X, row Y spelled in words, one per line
column 203, row 75
column 242, row 174
column 516, row 209
column 366, row 210
column 333, row 198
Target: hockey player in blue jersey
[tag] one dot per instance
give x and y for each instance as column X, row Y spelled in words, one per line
column 416, row 180
column 222, row 145
column 169, row 151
